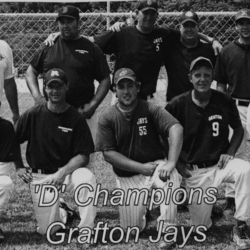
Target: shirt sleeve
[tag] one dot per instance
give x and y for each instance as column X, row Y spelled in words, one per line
column 38, row 59
column 220, row 74
column 101, row 66
column 107, row 41
column 171, row 36
column 83, row 142
column 234, row 117
column 162, row 119
column 105, row 137
column 9, row 71
column 23, row 128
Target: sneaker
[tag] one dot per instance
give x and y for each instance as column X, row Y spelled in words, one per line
column 217, row 211
column 72, row 213
column 229, row 208
column 241, row 236
column 166, row 245
column 1, row 235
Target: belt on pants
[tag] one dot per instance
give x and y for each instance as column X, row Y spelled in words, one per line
column 241, row 102
column 42, row 171
column 203, row 165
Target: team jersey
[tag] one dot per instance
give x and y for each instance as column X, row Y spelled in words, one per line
column 6, row 64
column 233, row 68
column 138, row 51
column 53, row 138
column 8, row 143
column 136, row 138
column 177, row 60
column 81, row 60
column 205, row 129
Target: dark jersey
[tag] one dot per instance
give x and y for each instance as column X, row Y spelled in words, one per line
column 53, row 138
column 136, row 138
column 177, row 60
column 140, row 52
column 233, row 68
column 81, row 60
column 205, row 130
column 8, row 144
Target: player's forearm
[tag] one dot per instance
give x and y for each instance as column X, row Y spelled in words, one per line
column 221, row 87
column 32, row 82
column 235, row 141
column 19, row 162
column 205, row 38
column 101, row 92
column 11, row 95
column 79, row 161
column 122, row 162
column 175, row 142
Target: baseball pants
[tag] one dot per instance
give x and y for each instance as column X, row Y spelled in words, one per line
column 6, row 186
column 135, row 215
column 236, row 172
column 241, row 152
column 47, row 215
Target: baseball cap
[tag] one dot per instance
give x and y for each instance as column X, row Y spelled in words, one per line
column 68, row 11
column 124, row 73
column 198, row 59
column 244, row 13
column 53, row 75
column 143, row 5
column 189, row 16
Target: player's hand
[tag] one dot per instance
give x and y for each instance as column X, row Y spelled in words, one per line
column 50, row 41
column 149, row 168
column 217, row 47
column 25, row 174
column 223, row 161
column 183, row 169
column 39, row 100
column 117, row 26
column 56, row 179
column 88, row 110
column 165, row 170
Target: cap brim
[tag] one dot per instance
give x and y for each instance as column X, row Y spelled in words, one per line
column 71, row 17
column 126, row 77
column 149, row 8
column 242, row 17
column 189, row 20
column 202, row 59
column 55, row 80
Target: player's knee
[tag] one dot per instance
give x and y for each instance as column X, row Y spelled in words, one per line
column 83, row 175
column 6, row 183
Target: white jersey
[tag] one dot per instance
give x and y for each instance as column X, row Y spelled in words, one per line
column 6, row 64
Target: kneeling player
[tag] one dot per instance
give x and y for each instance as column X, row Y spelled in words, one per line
column 207, row 156
column 128, row 135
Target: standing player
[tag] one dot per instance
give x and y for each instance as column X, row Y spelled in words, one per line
column 8, row 154
column 82, row 61
column 140, row 47
column 59, row 145
column 178, row 56
column 7, row 81
column 232, row 76
column 207, row 157
column 128, row 135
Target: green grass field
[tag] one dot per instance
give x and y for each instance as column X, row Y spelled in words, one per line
column 19, row 223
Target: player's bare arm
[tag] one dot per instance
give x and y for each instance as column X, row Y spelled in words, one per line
column 122, row 162
column 11, row 95
column 57, row 179
column 101, row 92
column 32, row 82
column 221, row 87
column 215, row 44
column 175, row 145
column 234, row 145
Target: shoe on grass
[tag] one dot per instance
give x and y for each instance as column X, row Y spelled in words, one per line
column 241, row 236
column 72, row 213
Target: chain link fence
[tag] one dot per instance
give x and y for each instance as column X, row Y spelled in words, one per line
column 26, row 32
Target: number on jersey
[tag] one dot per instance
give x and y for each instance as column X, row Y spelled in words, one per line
column 142, row 130
column 215, row 126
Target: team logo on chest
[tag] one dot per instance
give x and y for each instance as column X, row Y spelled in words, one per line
column 142, row 127
column 213, row 117
column 81, row 51
column 157, row 42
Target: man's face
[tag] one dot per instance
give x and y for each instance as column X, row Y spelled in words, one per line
column 243, row 27
column 56, row 92
column 201, row 78
column 127, row 91
column 189, row 30
column 68, row 28
column 147, row 19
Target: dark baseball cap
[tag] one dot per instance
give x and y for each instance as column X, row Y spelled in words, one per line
column 189, row 16
column 124, row 73
column 199, row 59
column 55, row 75
column 143, row 5
column 68, row 11
column 244, row 13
